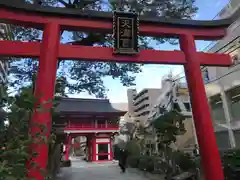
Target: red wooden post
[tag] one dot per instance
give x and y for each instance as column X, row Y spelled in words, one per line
column 210, row 158
column 111, row 149
column 68, row 143
column 44, row 90
column 94, row 150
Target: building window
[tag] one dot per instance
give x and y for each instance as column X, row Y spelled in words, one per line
column 206, row 78
column 141, row 108
column 187, row 106
column 140, row 94
column 139, row 102
column 176, row 107
column 143, row 113
column 102, row 148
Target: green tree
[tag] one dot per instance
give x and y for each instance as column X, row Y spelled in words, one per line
column 88, row 76
column 128, row 129
column 14, row 138
column 14, row 135
column 168, row 126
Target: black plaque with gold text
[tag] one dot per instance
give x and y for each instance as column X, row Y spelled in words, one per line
column 125, row 33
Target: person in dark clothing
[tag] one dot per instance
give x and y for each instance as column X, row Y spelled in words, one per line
column 196, row 150
column 123, row 160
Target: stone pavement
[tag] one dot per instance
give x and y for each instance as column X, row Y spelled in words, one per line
column 104, row 171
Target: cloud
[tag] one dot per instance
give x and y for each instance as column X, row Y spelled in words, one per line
column 196, row 16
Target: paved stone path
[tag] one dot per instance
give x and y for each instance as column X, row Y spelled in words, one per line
column 90, row 171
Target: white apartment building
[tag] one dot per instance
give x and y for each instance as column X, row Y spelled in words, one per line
column 223, row 83
column 175, row 95
column 140, row 103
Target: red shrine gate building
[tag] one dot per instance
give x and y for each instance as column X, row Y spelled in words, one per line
column 96, row 119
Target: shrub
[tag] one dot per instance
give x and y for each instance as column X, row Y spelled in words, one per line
column 146, row 163
column 231, row 164
column 133, row 148
column 184, row 160
column 159, row 165
column 133, row 161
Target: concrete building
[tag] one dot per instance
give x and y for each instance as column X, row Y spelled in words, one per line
column 142, row 104
column 139, row 104
column 223, row 83
column 174, row 95
column 5, row 33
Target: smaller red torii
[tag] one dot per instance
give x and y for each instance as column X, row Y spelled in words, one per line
column 49, row 51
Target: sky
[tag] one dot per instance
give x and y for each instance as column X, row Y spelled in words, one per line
column 151, row 75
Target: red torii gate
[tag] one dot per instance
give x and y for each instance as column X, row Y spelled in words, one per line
column 54, row 20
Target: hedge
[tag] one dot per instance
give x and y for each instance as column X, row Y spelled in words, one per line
column 144, row 163
column 184, row 160
column 156, row 164
column 231, row 164
column 133, row 161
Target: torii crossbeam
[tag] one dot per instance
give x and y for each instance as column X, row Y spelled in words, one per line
column 50, row 51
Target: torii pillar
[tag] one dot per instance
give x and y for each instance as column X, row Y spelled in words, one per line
column 210, row 160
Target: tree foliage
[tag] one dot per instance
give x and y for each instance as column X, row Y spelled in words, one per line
column 231, row 164
column 14, row 135
column 168, row 126
column 128, row 129
column 88, row 76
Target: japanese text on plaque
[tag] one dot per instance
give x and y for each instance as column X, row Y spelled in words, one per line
column 125, row 33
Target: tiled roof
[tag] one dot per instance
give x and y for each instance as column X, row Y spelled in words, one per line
column 78, row 105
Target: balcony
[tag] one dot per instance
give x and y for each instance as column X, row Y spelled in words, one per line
column 91, row 128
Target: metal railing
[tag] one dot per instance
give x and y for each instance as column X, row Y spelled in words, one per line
column 93, row 126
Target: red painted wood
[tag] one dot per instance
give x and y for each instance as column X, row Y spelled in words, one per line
column 91, row 129
column 210, row 158
column 32, row 49
column 44, row 91
column 67, row 145
column 89, row 134
column 91, row 115
column 106, row 54
column 94, row 149
column 34, row 20
column 19, row 49
column 92, row 126
column 211, row 59
column 111, row 150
